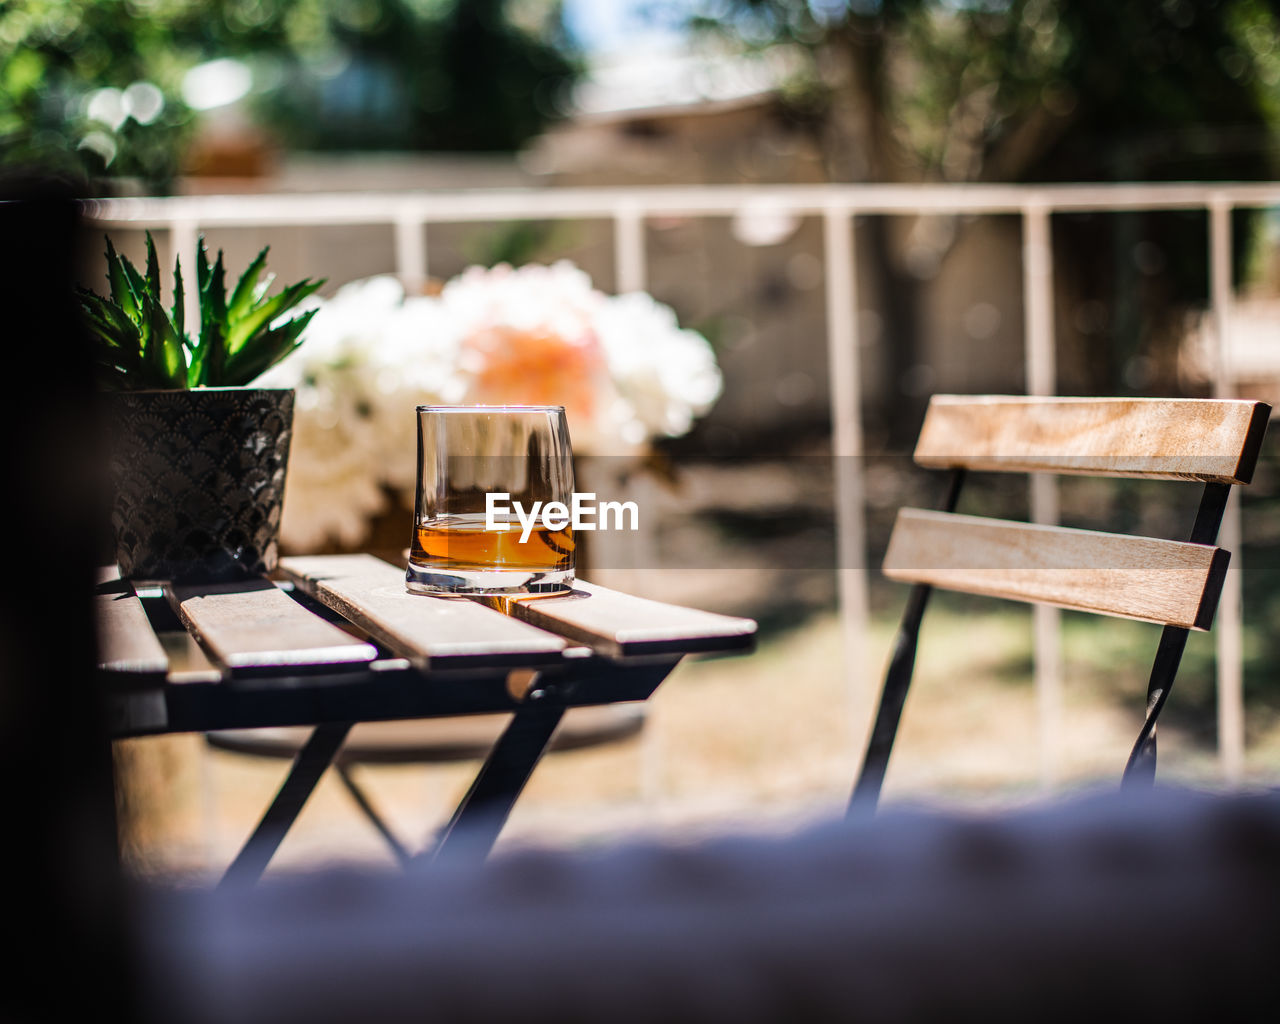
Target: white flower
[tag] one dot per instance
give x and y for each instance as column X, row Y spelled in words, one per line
column 622, row 367
column 558, row 299
column 349, row 434
column 668, row 375
column 333, row 484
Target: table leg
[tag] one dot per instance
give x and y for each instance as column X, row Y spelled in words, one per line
column 484, row 810
column 312, row 761
column 375, row 819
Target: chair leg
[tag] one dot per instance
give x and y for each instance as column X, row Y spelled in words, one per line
column 897, row 681
column 1141, row 767
column 866, row 792
column 366, row 806
column 1140, row 770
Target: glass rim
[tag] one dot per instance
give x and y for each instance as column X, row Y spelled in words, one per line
column 490, row 408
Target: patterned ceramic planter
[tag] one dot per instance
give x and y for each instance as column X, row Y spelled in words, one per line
column 199, row 481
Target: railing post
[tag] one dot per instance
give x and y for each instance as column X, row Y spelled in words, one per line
column 411, row 250
column 1229, row 637
column 629, row 249
column 1041, row 373
column 846, row 428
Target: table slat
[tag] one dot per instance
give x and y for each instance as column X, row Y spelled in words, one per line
column 618, row 624
column 126, row 641
column 431, row 631
column 255, row 625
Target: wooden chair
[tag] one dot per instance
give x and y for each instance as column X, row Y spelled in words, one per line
column 1173, row 583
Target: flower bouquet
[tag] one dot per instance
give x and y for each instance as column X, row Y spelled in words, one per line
column 624, row 369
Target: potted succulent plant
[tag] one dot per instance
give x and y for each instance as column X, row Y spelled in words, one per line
column 198, row 457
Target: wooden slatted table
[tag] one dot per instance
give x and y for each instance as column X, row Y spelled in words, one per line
column 339, row 641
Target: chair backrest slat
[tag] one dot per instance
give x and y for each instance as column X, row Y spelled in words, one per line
column 1159, row 438
column 1163, row 581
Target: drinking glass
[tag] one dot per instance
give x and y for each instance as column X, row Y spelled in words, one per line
column 465, row 455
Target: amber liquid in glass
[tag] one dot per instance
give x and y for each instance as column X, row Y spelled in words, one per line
column 462, row 542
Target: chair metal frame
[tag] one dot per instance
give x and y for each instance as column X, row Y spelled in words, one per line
column 1140, row 768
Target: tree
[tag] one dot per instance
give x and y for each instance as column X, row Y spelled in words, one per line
column 1027, row 91
column 384, row 74
column 408, row 76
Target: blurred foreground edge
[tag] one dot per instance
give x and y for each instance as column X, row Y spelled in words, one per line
column 70, row 954
column 1159, row 908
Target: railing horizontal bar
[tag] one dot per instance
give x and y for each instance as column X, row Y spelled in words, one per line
column 701, row 200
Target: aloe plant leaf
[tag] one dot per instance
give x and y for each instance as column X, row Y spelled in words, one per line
column 244, row 328
column 174, row 355
column 242, row 296
column 264, row 286
column 213, row 310
column 153, row 353
column 196, row 370
column 208, row 359
column 201, row 336
column 153, row 269
column 141, row 342
column 137, row 288
column 268, row 348
column 179, row 304
column 217, row 294
column 104, row 364
column 105, row 346
column 210, row 287
column 114, row 340
column 198, row 373
column 100, row 329
column 121, row 292
column 116, row 375
column 121, row 330
column 159, row 346
column 202, row 268
column 112, row 378
column 209, row 352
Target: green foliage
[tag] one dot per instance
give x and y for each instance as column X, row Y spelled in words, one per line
column 1039, row 91
column 138, row 345
column 372, row 74
column 56, row 57
column 408, row 75
column 1034, row 90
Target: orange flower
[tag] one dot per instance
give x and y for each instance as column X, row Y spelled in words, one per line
column 507, row 365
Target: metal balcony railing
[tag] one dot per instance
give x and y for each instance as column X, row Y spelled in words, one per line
column 409, row 213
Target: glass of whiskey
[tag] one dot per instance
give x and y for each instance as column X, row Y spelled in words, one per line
column 493, row 501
